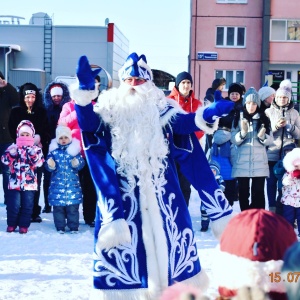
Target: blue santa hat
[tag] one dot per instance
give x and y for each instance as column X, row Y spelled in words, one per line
column 135, row 66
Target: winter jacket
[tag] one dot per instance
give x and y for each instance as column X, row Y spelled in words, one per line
column 53, row 111
column 22, row 163
column 251, row 155
column 290, row 190
column 281, row 135
column 38, row 117
column 188, row 104
column 65, row 188
column 8, row 99
column 223, row 151
column 68, row 117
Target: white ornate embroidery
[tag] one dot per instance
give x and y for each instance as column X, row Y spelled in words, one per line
column 125, row 267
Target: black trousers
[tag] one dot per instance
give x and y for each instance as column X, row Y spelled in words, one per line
column 257, row 192
column 89, row 194
column 185, row 185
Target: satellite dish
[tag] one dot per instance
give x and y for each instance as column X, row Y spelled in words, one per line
column 106, row 21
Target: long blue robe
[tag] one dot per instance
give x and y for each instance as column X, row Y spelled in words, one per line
column 162, row 250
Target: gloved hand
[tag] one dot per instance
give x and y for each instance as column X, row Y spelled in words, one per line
column 244, row 127
column 51, row 163
column 218, row 109
column 262, row 132
column 12, row 149
column 85, row 74
column 75, row 162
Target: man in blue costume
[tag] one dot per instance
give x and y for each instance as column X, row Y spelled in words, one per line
column 144, row 241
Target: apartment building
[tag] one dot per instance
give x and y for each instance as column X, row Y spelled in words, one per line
column 246, row 41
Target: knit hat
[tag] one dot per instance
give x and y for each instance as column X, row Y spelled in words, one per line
column 183, row 76
column 236, row 87
column 288, row 147
column 56, row 90
column 215, row 166
column 29, row 88
column 265, row 92
column 62, row 130
column 252, row 247
column 251, row 96
column 291, row 263
column 25, row 126
column 285, row 89
column 135, row 66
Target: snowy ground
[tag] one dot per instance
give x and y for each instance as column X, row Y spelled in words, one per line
column 43, row 264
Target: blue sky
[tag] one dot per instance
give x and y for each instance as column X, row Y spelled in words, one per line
column 157, row 28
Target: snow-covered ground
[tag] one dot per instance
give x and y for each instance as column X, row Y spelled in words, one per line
column 43, row 264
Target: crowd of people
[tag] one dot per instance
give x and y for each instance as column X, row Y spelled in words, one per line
column 130, row 155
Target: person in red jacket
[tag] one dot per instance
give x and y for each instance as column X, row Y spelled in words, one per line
column 182, row 93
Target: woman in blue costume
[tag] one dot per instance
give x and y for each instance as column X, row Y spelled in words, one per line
column 144, row 240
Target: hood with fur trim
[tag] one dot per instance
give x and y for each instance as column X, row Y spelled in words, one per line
column 47, row 99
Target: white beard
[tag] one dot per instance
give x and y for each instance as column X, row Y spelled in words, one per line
column 138, row 144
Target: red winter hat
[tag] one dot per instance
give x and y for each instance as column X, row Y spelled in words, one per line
column 252, row 247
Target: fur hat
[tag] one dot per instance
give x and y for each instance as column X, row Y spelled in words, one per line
column 183, row 76
column 56, row 90
column 265, row 92
column 290, row 159
column 62, row 130
column 236, row 87
column 25, row 126
column 215, row 166
column 291, row 263
column 252, row 247
column 135, row 66
column 285, row 89
column 251, row 96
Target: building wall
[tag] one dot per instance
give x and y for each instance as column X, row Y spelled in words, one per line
column 104, row 46
column 204, row 21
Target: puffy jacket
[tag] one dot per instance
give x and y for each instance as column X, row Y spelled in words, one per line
column 251, row 154
column 281, row 135
column 65, row 188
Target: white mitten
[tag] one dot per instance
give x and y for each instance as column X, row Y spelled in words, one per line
column 74, row 162
column 51, row 163
column 12, row 149
column 244, row 127
column 262, row 132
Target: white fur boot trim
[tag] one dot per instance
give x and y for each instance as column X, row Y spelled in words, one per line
column 113, row 234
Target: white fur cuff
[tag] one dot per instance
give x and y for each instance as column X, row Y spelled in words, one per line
column 219, row 225
column 82, row 97
column 113, row 234
column 202, row 124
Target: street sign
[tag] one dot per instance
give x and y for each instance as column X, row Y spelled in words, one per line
column 207, row 56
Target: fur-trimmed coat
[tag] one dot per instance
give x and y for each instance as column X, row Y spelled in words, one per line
column 65, row 188
column 144, row 241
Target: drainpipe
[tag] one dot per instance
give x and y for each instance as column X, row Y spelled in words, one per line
column 6, row 62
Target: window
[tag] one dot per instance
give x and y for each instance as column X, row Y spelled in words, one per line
column 232, row 1
column 230, row 36
column 285, row 30
column 230, row 76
